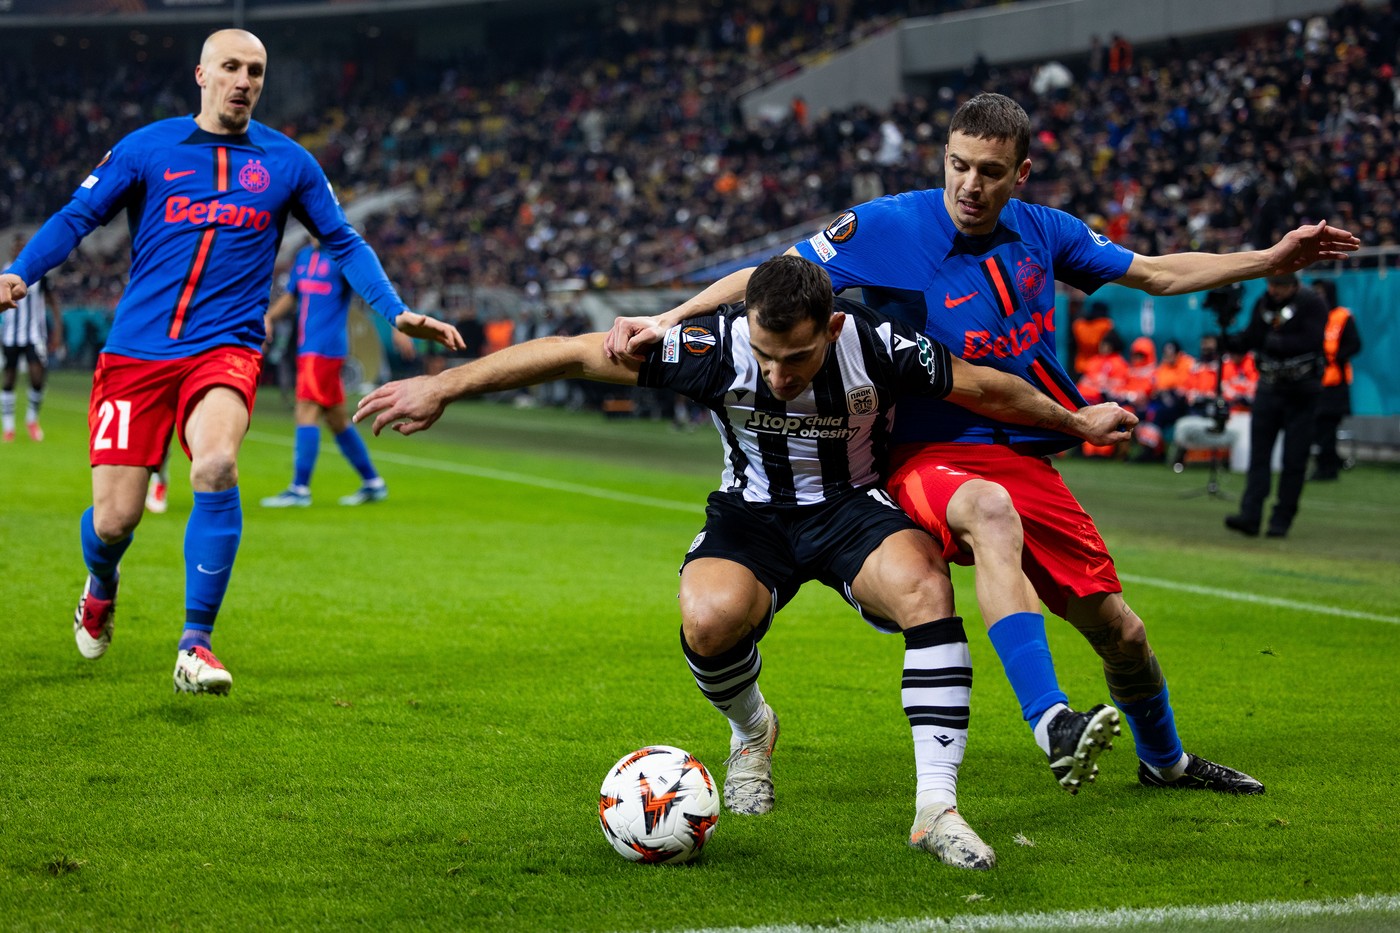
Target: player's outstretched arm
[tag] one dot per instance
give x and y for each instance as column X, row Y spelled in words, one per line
column 12, row 289
column 630, row 336
column 429, row 328
column 1008, row 398
column 1182, row 273
column 413, row 405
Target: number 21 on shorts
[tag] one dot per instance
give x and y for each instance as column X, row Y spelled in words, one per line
column 120, row 411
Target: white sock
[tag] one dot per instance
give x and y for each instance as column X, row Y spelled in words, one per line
column 1042, row 726
column 1174, row 772
column 936, row 689
column 730, row 682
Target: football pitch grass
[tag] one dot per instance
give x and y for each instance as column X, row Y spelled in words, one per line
column 428, row 691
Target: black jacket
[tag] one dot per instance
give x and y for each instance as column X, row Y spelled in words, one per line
column 1286, row 337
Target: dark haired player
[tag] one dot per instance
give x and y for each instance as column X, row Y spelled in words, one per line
column 206, row 198
column 802, row 397
column 972, row 268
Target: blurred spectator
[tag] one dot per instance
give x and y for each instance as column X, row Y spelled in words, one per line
column 1105, row 380
column 1341, row 342
column 1089, row 330
column 472, row 331
column 1142, row 367
column 1120, row 55
column 1106, row 375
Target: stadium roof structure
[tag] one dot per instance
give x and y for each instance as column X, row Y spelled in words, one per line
column 242, row 12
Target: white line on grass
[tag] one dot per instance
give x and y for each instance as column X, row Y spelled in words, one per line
column 1257, row 599
column 448, row 466
column 1269, row 912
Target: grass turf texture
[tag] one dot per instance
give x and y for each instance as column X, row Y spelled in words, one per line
column 428, row 691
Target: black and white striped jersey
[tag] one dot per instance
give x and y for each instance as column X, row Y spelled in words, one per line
column 25, row 324
column 832, row 438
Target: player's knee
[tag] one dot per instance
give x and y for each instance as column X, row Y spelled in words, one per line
column 931, row 599
column 214, row 472
column 1131, row 635
column 991, row 516
column 1126, row 635
column 115, row 524
column 713, row 623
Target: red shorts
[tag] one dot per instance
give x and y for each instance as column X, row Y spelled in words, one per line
column 1063, row 554
column 137, row 404
column 318, row 380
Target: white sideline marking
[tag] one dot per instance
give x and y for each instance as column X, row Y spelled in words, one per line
column 448, row 466
column 1119, row 919
column 1257, row 599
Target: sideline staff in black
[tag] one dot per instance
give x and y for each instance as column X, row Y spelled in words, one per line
column 1286, row 331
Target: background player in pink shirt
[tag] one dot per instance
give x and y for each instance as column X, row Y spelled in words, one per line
column 206, row 198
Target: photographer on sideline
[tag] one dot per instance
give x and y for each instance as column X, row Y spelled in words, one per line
column 1286, row 330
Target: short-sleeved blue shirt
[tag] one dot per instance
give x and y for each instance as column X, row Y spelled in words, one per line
column 989, row 299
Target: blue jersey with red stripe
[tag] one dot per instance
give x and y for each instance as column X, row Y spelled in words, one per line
column 989, row 299
column 206, row 213
column 323, row 303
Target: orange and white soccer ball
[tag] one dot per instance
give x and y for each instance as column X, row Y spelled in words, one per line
column 658, row 804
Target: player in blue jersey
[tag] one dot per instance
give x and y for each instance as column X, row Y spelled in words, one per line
column 972, row 267
column 320, row 295
column 801, row 396
column 206, row 198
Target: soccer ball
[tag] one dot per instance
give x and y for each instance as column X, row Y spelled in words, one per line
column 658, row 804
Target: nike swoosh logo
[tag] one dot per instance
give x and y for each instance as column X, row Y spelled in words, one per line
column 200, row 568
column 171, row 176
column 950, row 302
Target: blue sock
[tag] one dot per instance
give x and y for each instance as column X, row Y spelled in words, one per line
column 308, row 447
column 1019, row 640
column 197, row 633
column 1154, row 730
column 101, row 558
column 353, row 446
column 211, row 544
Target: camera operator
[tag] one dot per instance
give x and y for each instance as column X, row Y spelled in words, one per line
column 1286, row 331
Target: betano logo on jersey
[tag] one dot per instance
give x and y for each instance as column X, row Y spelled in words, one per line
column 180, row 210
column 980, row 343
column 817, row 427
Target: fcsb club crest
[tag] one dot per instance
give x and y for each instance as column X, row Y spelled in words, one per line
column 1030, row 279
column 254, row 177
column 862, row 400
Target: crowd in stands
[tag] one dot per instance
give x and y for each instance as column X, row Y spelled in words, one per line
column 625, row 154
